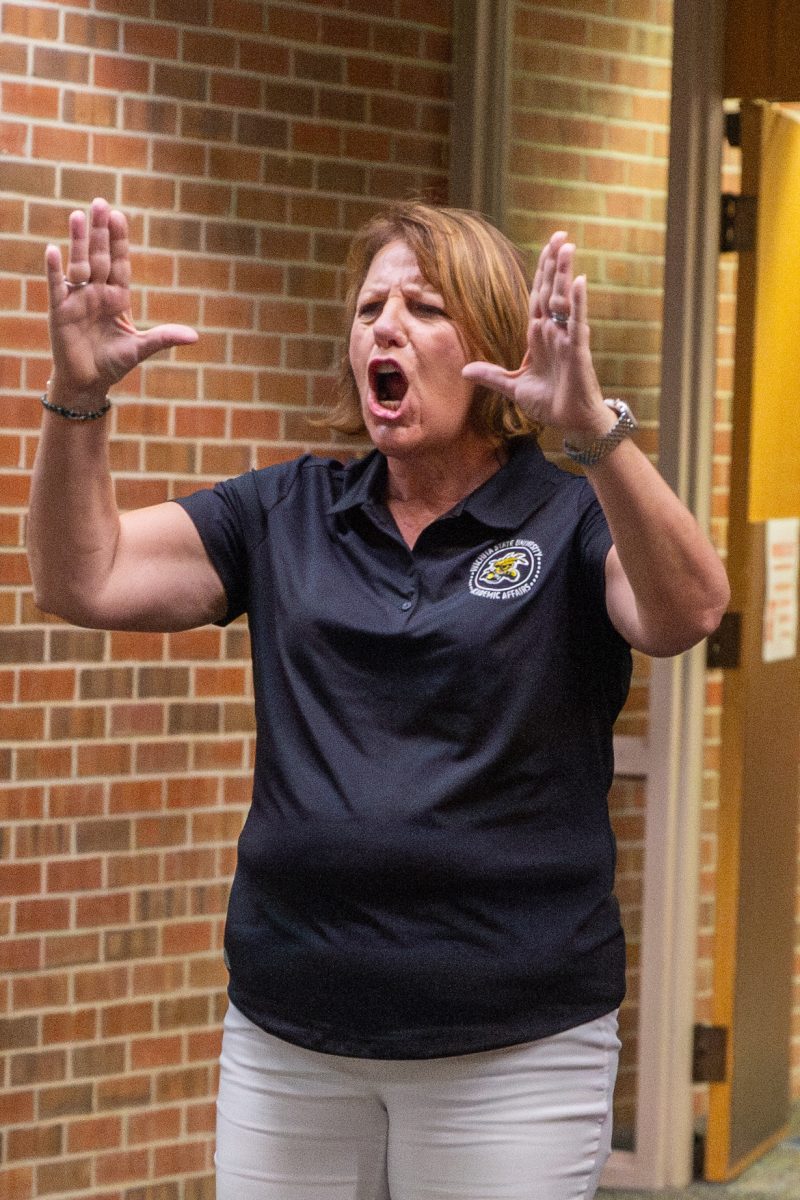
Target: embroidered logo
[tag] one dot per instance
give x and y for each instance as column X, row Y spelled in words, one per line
column 506, row 571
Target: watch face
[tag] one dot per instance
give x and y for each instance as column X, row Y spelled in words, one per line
column 623, row 412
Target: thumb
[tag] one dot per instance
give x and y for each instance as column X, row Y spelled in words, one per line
column 490, row 376
column 163, row 337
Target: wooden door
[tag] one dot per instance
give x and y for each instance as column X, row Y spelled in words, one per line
column 761, row 708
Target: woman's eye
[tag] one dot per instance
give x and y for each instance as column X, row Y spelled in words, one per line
column 370, row 309
column 430, row 310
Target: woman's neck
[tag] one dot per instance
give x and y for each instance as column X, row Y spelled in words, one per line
column 420, row 489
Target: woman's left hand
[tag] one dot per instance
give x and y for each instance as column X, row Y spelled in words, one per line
column 556, row 382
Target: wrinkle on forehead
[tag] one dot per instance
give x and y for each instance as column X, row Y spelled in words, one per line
column 395, row 265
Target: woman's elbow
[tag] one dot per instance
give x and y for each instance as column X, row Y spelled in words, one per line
column 681, row 634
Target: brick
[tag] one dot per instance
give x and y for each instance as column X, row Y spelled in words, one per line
column 124, row 944
column 103, row 758
column 103, row 1059
column 161, row 978
column 181, row 1085
column 126, row 1091
column 206, row 123
column 68, row 644
column 17, row 1183
column 22, row 724
column 163, row 1124
column 132, row 870
column 47, row 684
column 92, row 912
column 243, row 16
column 160, row 831
column 44, row 1066
column 162, row 757
column 89, row 108
column 189, row 937
column 69, row 722
column 176, row 233
column 36, row 23
column 68, row 1175
column 43, row 762
column 69, row 950
column 183, row 1159
column 161, row 904
column 183, row 83
column 73, row 1026
column 213, row 49
column 102, row 835
column 149, row 116
column 19, row 879
column 159, row 1191
column 96, row 1133
column 70, row 876
column 121, row 73
column 148, row 1054
column 17, row 1033
column 100, row 33
column 39, row 916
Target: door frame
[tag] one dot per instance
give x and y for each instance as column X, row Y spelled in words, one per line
column 665, row 1111
column 671, row 758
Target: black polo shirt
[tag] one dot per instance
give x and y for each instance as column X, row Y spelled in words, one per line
column 427, row 866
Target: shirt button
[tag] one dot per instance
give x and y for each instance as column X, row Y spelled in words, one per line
column 406, row 605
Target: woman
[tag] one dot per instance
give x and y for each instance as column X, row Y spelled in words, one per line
column 424, row 948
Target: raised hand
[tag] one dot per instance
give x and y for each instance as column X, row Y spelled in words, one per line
column 93, row 337
column 556, row 382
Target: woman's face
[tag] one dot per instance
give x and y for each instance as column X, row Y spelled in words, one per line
column 406, row 356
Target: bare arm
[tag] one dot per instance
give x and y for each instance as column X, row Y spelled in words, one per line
column 143, row 570
column 666, row 588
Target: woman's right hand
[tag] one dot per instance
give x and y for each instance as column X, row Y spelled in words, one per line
column 94, row 340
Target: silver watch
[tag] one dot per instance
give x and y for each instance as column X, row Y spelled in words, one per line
column 603, row 445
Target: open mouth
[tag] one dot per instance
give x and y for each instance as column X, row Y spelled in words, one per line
column 388, row 382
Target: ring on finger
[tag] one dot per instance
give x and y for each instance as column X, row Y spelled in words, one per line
column 73, row 287
column 559, row 318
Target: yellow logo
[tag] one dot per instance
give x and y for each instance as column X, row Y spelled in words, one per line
column 507, row 571
column 506, row 567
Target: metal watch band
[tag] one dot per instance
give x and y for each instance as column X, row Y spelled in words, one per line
column 603, row 445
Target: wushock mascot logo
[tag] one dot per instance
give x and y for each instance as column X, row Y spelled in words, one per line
column 506, row 571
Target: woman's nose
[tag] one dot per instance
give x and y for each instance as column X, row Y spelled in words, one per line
column 389, row 328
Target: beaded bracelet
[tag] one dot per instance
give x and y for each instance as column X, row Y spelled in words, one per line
column 76, row 414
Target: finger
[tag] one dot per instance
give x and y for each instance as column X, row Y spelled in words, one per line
column 163, row 337
column 534, row 306
column 99, row 242
column 119, row 250
column 78, row 269
column 543, row 281
column 54, row 273
column 580, row 306
column 562, row 281
column 488, row 375
column 579, row 324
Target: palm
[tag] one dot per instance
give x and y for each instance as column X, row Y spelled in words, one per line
column 93, row 336
column 556, row 382
column 94, row 340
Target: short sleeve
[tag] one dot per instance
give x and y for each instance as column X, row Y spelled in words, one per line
column 227, row 517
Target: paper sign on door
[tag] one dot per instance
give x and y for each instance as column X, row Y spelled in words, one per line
column 782, row 549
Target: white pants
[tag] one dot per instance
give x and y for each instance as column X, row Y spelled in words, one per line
column 530, row 1122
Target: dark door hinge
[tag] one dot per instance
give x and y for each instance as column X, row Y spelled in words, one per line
column 733, row 128
column 710, row 1053
column 737, row 223
column 724, row 646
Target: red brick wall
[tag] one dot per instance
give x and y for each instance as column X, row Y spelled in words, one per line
column 245, row 141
